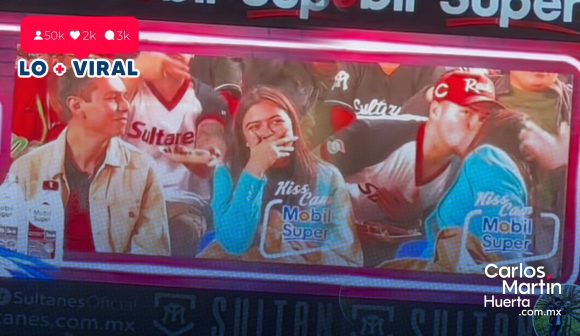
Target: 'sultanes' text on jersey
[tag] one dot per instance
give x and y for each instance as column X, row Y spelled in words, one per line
column 155, row 136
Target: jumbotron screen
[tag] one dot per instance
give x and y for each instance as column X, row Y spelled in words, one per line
column 329, row 159
column 414, row 166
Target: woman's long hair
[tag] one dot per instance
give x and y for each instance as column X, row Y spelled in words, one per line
column 501, row 129
column 303, row 163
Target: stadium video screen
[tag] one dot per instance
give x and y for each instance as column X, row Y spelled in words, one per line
column 271, row 160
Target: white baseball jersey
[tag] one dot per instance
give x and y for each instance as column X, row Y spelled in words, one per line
column 396, row 172
column 156, row 124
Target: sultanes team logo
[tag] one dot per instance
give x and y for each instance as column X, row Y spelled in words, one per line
column 341, row 81
column 335, row 146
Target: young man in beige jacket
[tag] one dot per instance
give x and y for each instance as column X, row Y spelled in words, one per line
column 112, row 200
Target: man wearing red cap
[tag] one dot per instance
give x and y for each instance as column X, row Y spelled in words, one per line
column 392, row 197
column 544, row 138
column 539, row 143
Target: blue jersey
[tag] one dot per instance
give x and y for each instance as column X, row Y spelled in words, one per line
column 491, row 195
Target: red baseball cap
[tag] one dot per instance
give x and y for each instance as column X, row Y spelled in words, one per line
column 465, row 89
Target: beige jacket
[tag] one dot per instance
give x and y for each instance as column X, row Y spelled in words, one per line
column 127, row 208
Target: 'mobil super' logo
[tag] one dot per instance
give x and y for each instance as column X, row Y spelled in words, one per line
column 309, row 219
column 309, row 225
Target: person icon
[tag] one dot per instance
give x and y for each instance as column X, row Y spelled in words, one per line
column 38, row 37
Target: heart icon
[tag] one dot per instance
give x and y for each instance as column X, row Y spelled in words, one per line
column 75, row 34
